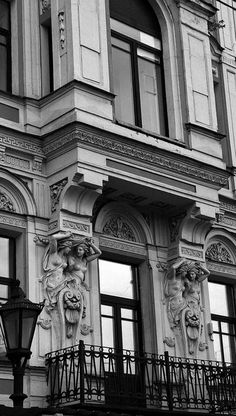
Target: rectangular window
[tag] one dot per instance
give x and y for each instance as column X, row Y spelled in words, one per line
column 7, row 265
column 138, row 84
column 223, row 317
column 5, row 46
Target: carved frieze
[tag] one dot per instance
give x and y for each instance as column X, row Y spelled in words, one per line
column 189, row 252
column 6, row 203
column 218, row 252
column 126, row 247
column 55, row 193
column 10, row 220
column 76, row 226
column 157, row 159
column 117, row 227
column 24, row 145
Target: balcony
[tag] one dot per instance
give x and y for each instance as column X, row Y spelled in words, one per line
column 86, row 375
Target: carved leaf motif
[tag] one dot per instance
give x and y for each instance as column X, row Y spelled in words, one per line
column 217, row 252
column 55, row 192
column 116, row 227
column 5, row 203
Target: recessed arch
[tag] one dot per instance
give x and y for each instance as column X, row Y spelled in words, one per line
column 122, row 221
column 21, row 200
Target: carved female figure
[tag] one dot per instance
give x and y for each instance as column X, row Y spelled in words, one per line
column 174, row 289
column 54, row 265
column 84, row 251
column 192, row 317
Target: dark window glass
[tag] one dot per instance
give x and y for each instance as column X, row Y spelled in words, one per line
column 5, row 46
column 223, row 320
column 7, row 265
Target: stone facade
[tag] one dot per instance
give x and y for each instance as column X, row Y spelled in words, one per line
column 68, row 166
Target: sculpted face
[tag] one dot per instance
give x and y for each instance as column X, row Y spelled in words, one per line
column 80, row 251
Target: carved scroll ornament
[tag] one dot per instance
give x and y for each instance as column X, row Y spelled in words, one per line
column 5, row 203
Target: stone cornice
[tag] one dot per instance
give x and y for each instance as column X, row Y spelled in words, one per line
column 203, row 6
column 20, row 144
column 122, row 147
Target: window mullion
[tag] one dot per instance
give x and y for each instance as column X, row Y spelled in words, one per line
column 136, row 89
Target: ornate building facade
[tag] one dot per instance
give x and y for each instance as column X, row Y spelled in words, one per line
column 117, row 134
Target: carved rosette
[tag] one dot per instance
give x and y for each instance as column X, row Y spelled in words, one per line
column 55, row 193
column 218, row 252
column 117, row 227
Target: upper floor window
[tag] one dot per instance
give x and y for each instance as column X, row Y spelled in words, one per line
column 223, row 317
column 7, row 265
column 137, row 66
column 5, row 46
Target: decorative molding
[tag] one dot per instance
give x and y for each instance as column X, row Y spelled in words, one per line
column 45, row 5
column 85, row 329
column 76, row 226
column 118, row 245
column 37, row 163
column 10, row 220
column 162, row 266
column 221, row 268
column 156, row 158
column 61, row 24
column 117, row 227
column 45, row 323
column 24, row 145
column 186, row 251
column 218, row 252
column 202, row 346
column 6, row 203
column 53, row 225
column 40, row 240
column 223, row 219
column 169, row 341
column 15, row 162
column 228, row 206
column 55, row 193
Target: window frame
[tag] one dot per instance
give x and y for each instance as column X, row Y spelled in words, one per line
column 134, row 45
column 7, row 34
column 230, row 320
column 9, row 281
column 118, row 303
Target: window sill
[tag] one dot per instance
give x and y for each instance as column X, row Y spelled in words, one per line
column 149, row 133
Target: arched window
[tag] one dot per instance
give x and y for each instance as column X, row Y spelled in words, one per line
column 137, row 67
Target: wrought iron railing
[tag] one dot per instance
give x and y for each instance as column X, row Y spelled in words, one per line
column 91, row 375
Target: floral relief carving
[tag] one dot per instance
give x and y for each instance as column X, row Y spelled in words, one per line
column 55, row 193
column 61, row 23
column 5, row 203
column 218, row 252
column 116, row 227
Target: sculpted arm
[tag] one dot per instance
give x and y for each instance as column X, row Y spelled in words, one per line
column 96, row 251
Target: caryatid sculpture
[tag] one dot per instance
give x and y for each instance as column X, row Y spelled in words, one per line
column 183, row 294
column 65, row 265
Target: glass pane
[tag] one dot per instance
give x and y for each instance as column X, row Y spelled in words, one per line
column 106, row 310
column 128, row 313
column 215, row 326
column 217, row 348
column 11, row 326
column 225, row 327
column 120, row 44
column 123, row 85
column 218, row 299
column 128, row 335
column 4, row 15
column 4, row 244
column 226, row 347
column 151, row 95
column 3, row 292
column 28, row 323
column 107, row 332
column 116, row 279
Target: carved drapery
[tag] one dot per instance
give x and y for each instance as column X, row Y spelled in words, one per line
column 218, row 252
